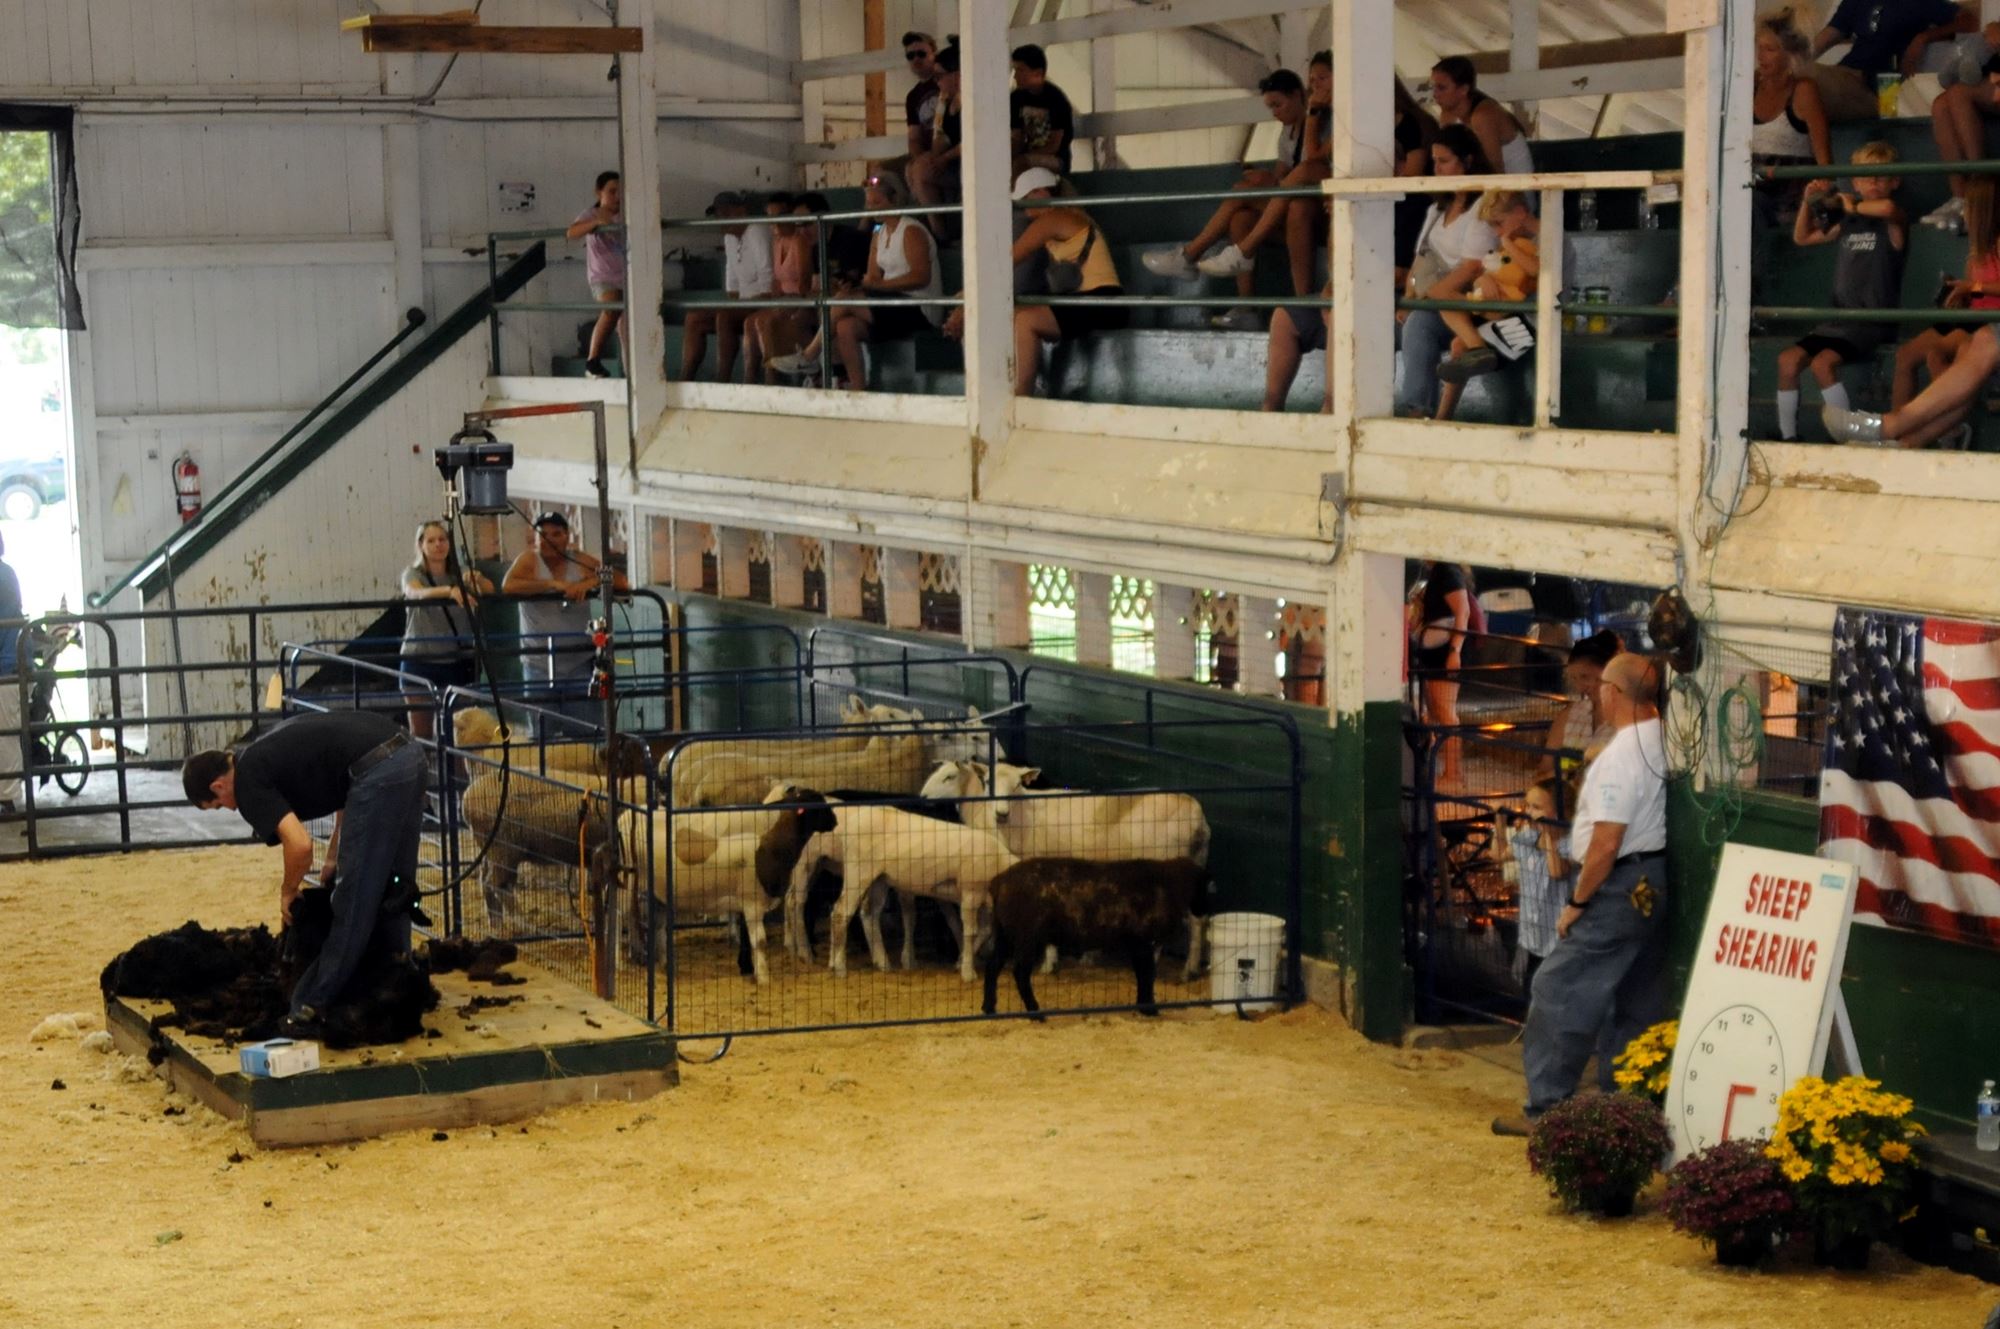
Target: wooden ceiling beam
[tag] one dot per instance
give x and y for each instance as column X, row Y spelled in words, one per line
column 405, row 39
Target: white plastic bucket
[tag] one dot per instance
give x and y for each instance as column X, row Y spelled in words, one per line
column 1243, row 952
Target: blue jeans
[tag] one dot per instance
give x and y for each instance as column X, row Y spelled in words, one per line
column 1611, row 968
column 1424, row 341
column 375, row 880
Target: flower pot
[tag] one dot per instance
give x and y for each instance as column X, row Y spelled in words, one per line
column 1608, row 1202
column 1847, row 1251
column 1743, row 1252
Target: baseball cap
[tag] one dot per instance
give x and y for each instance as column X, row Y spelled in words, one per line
column 1035, row 177
column 550, row 517
column 728, row 198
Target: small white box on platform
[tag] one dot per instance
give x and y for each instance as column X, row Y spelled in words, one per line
column 278, row 1057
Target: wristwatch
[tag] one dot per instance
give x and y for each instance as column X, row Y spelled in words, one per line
column 1575, row 903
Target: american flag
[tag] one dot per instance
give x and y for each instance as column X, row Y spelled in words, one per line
column 1910, row 792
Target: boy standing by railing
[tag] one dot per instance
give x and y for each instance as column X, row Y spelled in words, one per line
column 1868, row 274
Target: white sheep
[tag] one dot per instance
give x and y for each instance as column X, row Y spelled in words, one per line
column 877, row 847
column 1067, row 823
column 690, row 769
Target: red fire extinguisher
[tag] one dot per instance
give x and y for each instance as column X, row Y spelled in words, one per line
column 187, row 487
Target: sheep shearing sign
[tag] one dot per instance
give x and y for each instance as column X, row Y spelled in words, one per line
column 1763, row 998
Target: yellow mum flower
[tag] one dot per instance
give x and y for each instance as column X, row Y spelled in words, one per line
column 1797, row 1169
column 1895, row 1151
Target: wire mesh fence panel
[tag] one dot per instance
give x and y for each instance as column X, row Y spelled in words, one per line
column 802, row 883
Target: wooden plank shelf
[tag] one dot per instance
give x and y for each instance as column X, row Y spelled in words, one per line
column 552, row 1047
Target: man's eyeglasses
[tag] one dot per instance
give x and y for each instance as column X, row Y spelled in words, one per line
column 916, row 53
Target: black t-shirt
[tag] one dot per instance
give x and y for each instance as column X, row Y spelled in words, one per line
column 1442, row 580
column 920, row 109
column 1410, row 209
column 300, row 766
column 949, row 125
column 847, row 251
column 1883, row 29
column 1040, row 116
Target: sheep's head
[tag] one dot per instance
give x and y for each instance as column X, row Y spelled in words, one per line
column 808, row 807
column 477, row 727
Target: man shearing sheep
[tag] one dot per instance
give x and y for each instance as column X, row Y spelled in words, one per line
column 369, row 775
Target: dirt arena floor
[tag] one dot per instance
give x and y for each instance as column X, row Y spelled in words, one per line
column 1194, row 1170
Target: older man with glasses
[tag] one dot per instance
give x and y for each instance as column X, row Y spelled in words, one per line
column 1610, row 955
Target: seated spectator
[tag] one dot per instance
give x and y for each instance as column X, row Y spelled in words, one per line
column 1958, row 119
column 1304, row 219
column 1887, row 36
column 1512, row 270
column 934, row 173
column 902, row 263
column 1934, row 348
column 1416, row 130
column 1867, row 274
column 1042, row 121
column 1455, row 89
column 746, row 269
column 920, row 105
column 1451, row 253
column 1934, row 413
column 1080, row 263
column 1295, row 330
column 794, row 264
column 1285, row 97
column 1789, row 125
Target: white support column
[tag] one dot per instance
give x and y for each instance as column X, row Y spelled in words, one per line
column 843, row 579
column 1363, row 361
column 997, row 602
column 645, row 349
column 1364, row 628
column 1173, row 631
column 788, row 571
column 812, row 94
column 1093, row 617
column 1524, row 45
column 402, row 179
column 1104, row 89
column 1713, row 402
column 690, row 538
column 1257, row 646
column 989, row 232
column 1548, row 319
column 732, row 562
column 902, row 588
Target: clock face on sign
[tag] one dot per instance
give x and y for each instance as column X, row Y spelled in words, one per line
column 1731, row 1075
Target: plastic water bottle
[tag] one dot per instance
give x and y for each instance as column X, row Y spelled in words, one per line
column 1586, row 210
column 1987, row 1136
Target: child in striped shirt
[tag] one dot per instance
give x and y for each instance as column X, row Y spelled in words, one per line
column 1545, row 879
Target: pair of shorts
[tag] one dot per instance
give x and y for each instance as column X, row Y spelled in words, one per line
column 443, row 671
column 886, row 322
column 1310, row 324
column 1815, row 342
column 1431, row 659
column 1082, row 320
column 605, row 291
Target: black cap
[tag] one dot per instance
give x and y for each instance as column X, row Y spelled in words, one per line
column 550, row 517
column 728, row 198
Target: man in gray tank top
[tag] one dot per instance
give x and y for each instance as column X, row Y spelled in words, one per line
column 555, row 640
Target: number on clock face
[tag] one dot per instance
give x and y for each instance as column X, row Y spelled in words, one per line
column 1731, row 1078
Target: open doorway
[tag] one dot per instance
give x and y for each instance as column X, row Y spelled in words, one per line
column 39, row 309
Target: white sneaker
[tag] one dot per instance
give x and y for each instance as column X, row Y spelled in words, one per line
column 1947, row 216
column 1228, row 261
column 1240, row 319
column 792, row 366
column 1167, row 263
column 1957, row 439
column 1861, row 427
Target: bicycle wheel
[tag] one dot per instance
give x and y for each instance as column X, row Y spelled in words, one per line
column 72, row 760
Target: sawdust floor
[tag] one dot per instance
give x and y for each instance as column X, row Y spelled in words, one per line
column 1191, row 1170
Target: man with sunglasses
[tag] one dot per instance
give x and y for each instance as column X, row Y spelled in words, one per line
column 920, row 107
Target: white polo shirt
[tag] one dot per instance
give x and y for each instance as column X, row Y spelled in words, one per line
column 746, row 264
column 1626, row 784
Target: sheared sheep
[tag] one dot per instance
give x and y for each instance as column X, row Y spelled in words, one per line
column 1129, row 908
column 479, row 730
column 546, row 822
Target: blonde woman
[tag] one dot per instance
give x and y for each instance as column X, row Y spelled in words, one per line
column 437, row 626
column 1789, row 126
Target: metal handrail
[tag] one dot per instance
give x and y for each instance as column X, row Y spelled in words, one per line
column 1837, row 170
column 412, row 320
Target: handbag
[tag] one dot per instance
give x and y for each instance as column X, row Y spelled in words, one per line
column 1065, row 277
